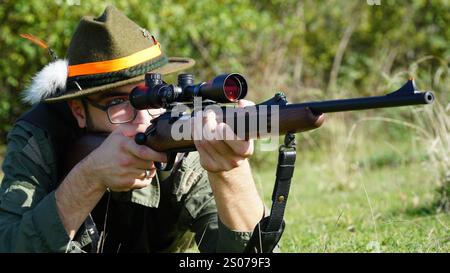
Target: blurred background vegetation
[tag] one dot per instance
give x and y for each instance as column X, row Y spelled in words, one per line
column 310, row 50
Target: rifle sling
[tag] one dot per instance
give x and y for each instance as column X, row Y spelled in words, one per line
column 269, row 230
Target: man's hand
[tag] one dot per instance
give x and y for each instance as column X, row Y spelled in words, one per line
column 226, row 160
column 119, row 163
column 219, row 153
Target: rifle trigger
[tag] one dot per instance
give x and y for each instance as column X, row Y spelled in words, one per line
column 171, row 157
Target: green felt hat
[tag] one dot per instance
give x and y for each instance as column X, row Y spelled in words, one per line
column 105, row 52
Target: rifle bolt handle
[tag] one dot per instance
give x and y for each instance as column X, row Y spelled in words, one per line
column 140, row 138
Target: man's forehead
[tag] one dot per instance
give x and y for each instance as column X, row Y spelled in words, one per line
column 118, row 91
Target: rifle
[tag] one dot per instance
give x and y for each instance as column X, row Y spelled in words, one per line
column 293, row 118
column 163, row 134
column 226, row 88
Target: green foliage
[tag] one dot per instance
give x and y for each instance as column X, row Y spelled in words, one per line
column 338, row 48
column 310, row 50
column 389, row 208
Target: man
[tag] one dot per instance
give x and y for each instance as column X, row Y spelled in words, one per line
column 114, row 200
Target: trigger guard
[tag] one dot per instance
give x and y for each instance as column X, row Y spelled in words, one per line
column 169, row 165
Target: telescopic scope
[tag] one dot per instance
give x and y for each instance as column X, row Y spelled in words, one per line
column 156, row 93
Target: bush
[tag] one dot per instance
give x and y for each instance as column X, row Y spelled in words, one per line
column 332, row 50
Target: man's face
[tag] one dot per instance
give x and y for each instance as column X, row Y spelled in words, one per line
column 115, row 108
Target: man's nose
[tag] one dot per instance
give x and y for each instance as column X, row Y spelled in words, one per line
column 142, row 117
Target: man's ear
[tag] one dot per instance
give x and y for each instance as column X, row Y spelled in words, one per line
column 78, row 111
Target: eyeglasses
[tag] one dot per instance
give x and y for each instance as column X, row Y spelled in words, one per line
column 121, row 111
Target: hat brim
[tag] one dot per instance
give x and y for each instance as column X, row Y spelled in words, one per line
column 175, row 64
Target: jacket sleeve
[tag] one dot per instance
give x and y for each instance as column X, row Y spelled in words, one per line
column 29, row 220
column 211, row 235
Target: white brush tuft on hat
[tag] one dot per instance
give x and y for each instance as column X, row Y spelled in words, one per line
column 47, row 82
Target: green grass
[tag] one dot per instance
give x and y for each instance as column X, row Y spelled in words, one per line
column 386, row 204
column 383, row 203
column 389, row 210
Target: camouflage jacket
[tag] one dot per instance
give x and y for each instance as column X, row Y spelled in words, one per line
column 163, row 217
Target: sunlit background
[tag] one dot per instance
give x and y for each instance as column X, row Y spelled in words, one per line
column 367, row 181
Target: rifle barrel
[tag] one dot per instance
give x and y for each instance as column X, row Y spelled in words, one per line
column 405, row 95
column 390, row 100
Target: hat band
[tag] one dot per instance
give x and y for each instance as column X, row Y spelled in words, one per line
column 92, row 80
column 116, row 64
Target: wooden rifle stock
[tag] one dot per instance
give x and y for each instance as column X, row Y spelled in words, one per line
column 159, row 136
